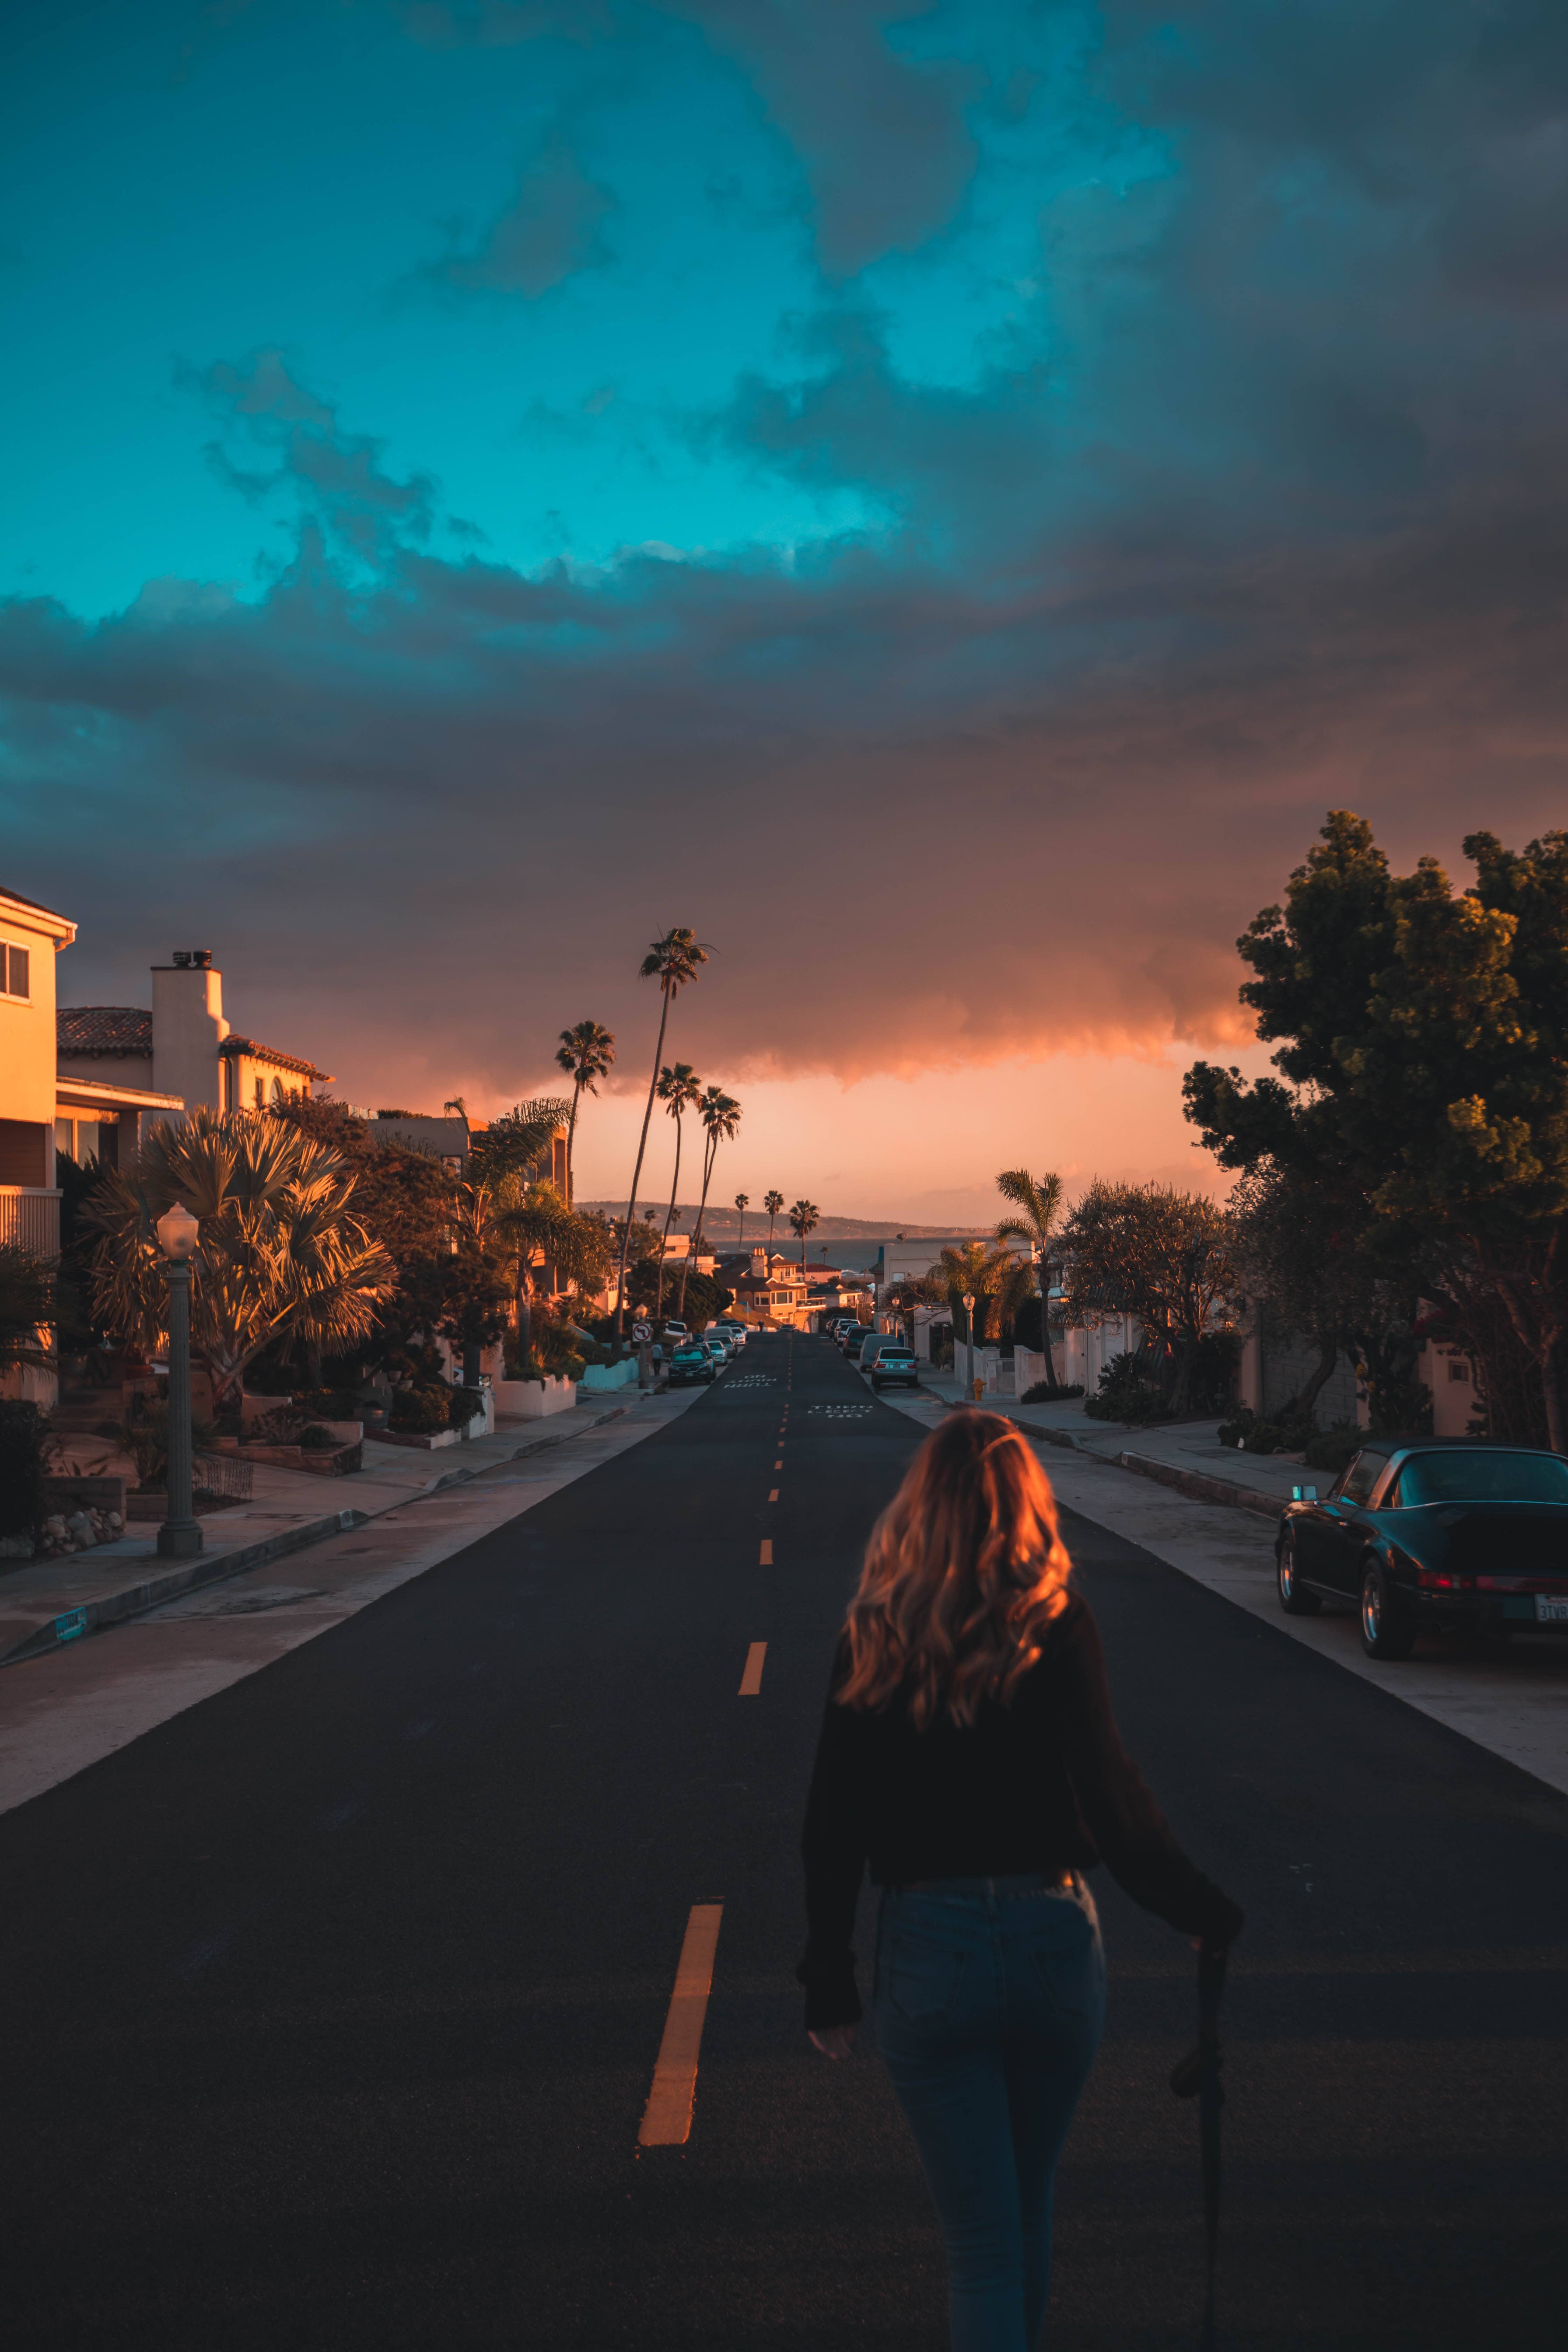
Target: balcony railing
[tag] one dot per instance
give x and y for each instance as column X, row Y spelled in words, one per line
column 30, row 1218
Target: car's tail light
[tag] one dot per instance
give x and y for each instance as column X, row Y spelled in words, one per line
column 1429, row 1580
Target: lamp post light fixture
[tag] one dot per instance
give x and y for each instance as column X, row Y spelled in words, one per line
column 969, row 1338
column 179, row 1537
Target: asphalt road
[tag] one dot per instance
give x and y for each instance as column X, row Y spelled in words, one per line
column 330, row 2006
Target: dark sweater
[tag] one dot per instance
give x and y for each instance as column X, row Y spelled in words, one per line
column 1042, row 1784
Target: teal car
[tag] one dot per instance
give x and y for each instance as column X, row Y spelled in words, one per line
column 690, row 1361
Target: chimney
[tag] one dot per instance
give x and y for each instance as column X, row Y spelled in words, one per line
column 188, row 1027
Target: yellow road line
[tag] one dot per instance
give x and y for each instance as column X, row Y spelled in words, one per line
column 767, row 1559
column 666, row 2118
column 752, row 1680
column 772, row 1494
column 779, row 1464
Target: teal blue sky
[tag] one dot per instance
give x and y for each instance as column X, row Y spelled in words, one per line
column 509, row 476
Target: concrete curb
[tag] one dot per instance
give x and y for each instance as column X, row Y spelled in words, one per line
column 172, row 1584
column 1202, row 1488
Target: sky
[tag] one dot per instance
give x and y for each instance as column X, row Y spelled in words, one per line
column 938, row 499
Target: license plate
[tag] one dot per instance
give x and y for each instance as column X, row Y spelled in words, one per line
column 1549, row 1612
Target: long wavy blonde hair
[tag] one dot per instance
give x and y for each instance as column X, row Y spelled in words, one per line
column 965, row 1571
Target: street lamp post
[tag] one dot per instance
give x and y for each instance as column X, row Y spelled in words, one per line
column 179, row 1537
column 969, row 1340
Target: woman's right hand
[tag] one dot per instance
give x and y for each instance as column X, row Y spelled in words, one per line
column 833, row 2041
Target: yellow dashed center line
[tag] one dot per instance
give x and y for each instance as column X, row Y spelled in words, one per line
column 767, row 1557
column 772, row 1494
column 752, row 1680
column 666, row 2118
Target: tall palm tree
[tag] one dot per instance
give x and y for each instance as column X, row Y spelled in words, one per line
column 584, row 1052
column 1038, row 1200
column 672, row 961
column 721, row 1115
column 772, row 1202
column 679, row 1089
column 803, row 1220
column 743, row 1202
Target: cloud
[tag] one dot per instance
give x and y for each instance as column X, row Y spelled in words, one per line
column 549, row 231
column 880, row 136
column 336, row 476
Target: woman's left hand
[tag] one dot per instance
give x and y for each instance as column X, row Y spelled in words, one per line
column 834, row 2040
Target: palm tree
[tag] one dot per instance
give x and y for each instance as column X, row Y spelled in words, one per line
column 991, row 1274
column 280, row 1254
column 772, row 1202
column 803, row 1220
column 584, row 1052
column 743, row 1202
column 721, row 1115
column 1039, row 1201
column 672, row 961
column 679, row 1089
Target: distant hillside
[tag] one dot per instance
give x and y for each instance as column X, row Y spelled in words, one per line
column 724, row 1225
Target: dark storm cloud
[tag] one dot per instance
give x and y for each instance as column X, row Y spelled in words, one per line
column 1258, row 505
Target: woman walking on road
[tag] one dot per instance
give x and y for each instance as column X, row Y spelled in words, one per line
column 970, row 1756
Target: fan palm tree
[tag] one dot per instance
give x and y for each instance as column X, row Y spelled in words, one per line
column 998, row 1281
column 673, row 960
column 679, row 1089
column 803, row 1220
column 721, row 1115
column 584, row 1052
column 772, row 1202
column 280, row 1254
column 518, row 1141
column 1038, row 1200
column 743, row 1202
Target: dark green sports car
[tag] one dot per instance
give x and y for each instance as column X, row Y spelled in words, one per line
column 1450, row 1535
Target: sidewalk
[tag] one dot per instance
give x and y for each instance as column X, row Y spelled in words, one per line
column 1186, row 1455
column 44, row 1603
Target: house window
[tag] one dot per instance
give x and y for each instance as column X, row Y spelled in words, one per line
column 1459, row 1369
column 16, row 971
column 261, row 1094
column 278, row 1094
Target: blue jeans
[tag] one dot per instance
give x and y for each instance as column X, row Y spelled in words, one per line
column 989, row 2005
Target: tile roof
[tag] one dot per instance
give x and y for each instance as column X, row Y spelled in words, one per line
column 273, row 1056
column 102, row 1029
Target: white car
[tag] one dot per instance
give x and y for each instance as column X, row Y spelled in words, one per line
column 728, row 1329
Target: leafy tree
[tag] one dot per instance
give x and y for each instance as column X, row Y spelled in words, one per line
column 281, row 1252
column 720, row 1117
column 28, row 1308
column 1423, row 1052
column 585, row 1052
column 674, row 960
column 772, row 1202
column 1163, row 1256
column 541, row 1222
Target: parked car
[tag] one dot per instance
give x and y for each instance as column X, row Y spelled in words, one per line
column 690, row 1361
column 734, row 1332
column 894, row 1363
column 852, row 1337
column 1451, row 1535
column 674, row 1333
column 717, row 1350
column 871, row 1346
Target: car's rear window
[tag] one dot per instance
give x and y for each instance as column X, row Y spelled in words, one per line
column 1465, row 1477
column 896, row 1356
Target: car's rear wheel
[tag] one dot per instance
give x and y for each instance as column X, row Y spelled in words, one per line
column 1294, row 1598
column 1387, row 1623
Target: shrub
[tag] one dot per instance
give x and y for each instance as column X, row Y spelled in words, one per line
column 1041, row 1394
column 467, row 1405
column 419, row 1413
column 1335, row 1448
column 145, row 1437
column 328, row 1404
column 1125, row 1394
column 21, row 1435
column 316, row 1438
